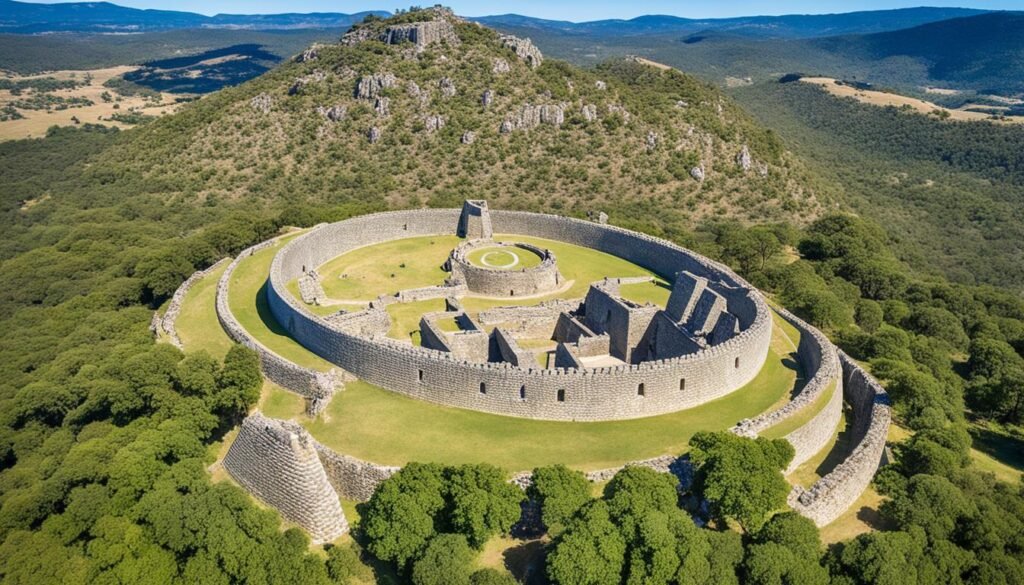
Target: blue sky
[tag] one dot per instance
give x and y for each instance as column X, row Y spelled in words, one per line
column 575, row 10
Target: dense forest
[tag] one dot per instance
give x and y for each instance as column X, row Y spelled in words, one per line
column 105, row 435
column 949, row 193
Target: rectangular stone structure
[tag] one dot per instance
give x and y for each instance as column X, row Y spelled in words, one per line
column 685, row 292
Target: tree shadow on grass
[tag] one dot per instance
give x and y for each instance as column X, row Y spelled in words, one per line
column 527, row 562
column 1004, row 446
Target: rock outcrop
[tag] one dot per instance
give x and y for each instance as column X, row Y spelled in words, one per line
column 382, row 106
column 374, row 135
column 468, row 137
column 436, row 27
column 262, row 103
column 447, row 87
column 310, row 54
column 301, row 82
column 335, row 113
column 531, row 116
column 487, row 98
column 500, row 67
column 524, row 49
column 698, row 173
column 370, row 86
column 434, row 123
column 589, row 112
column 652, row 141
column 744, row 160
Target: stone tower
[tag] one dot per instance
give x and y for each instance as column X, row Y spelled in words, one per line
column 277, row 462
column 475, row 222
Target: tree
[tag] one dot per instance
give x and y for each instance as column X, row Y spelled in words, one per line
column 933, row 503
column 446, row 560
column 481, row 503
column 997, row 379
column 786, row 549
column 560, row 492
column 869, row 315
column 741, row 477
column 239, row 381
column 491, row 577
column 591, row 551
column 401, row 516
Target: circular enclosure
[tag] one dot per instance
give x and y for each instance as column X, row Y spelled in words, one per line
column 505, row 269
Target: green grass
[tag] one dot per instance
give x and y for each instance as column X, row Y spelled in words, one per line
column 197, row 324
column 405, row 318
column 276, row 402
column 247, row 297
column 824, row 460
column 802, row 417
column 999, row 450
column 503, row 258
column 387, row 268
column 388, row 428
column 448, row 324
column 655, row 292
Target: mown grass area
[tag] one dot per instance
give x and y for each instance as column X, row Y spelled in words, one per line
column 826, row 459
column 387, row 268
column 405, row 318
column 247, row 296
column 499, row 258
column 802, row 417
column 385, row 427
column 197, row 324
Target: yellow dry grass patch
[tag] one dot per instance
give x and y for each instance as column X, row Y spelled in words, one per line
column 36, row 122
column 881, row 98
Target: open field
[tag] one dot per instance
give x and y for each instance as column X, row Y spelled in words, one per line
column 36, row 122
column 365, row 273
column 376, row 425
column 881, row 98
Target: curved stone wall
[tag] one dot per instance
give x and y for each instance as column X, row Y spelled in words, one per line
column 278, row 463
column 833, row 494
column 174, row 307
column 304, row 381
column 820, row 362
column 586, row 394
column 505, row 283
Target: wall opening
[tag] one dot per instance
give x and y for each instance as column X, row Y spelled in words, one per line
column 511, row 293
column 608, row 317
column 561, row 395
column 522, row 392
column 420, row 376
column 640, row 390
column 405, row 227
column 682, row 383
column 737, row 363
column 483, row 388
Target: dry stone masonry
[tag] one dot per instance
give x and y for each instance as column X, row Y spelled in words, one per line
column 166, row 324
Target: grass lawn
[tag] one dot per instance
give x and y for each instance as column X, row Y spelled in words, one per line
column 388, row 428
column 503, row 258
column 387, row 268
column 405, row 318
column 860, row 518
column 999, row 450
column 197, row 324
column 824, row 461
column 802, row 417
column 655, row 292
column 247, row 296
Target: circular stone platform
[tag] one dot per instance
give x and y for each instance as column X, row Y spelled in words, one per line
column 504, row 258
column 504, row 269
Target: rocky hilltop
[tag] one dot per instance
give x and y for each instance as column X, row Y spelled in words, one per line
column 425, row 108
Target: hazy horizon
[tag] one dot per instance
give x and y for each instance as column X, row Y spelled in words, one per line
column 571, row 10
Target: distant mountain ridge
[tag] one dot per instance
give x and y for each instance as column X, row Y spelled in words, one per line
column 786, row 26
column 27, row 18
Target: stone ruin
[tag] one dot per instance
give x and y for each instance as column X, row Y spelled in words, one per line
column 437, row 26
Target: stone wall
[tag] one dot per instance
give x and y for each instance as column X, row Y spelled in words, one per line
column 352, row 478
column 305, row 381
column 174, row 307
column 625, row 323
column 475, row 221
column 277, row 462
column 591, row 394
column 510, row 351
column 833, row 494
column 819, row 361
column 505, row 283
column 528, row 320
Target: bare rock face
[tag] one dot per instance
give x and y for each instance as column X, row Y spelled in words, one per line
column 530, row 116
column 602, row 218
column 262, row 103
column 301, row 82
column 589, row 112
column 744, row 160
column 524, row 49
column 382, row 106
column 681, row 104
column 600, row 85
column 434, row 123
column 370, row 86
column 469, row 137
column 437, row 26
column 374, row 135
column 487, row 98
column 506, row 127
column 334, row 113
column 447, row 87
column 652, row 141
column 310, row 54
column 698, row 173
column 500, row 67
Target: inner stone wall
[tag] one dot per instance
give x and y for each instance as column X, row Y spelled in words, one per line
column 505, row 283
column 553, row 394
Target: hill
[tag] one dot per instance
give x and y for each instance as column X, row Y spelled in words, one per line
column 31, row 17
column 979, row 53
column 786, row 26
column 473, row 116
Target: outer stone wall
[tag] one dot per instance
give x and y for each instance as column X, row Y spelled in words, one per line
column 277, row 462
column 833, row 494
column 589, row 394
column 174, row 307
column 820, row 362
